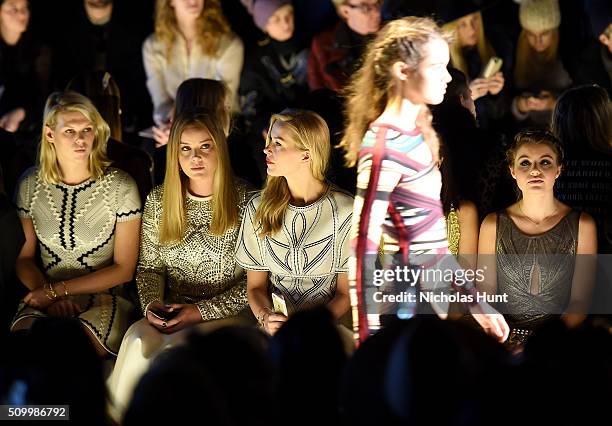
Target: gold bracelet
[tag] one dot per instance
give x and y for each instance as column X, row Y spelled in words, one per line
column 262, row 315
column 55, row 296
column 65, row 288
column 50, row 292
column 45, row 288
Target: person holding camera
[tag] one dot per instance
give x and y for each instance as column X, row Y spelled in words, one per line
column 539, row 74
column 478, row 54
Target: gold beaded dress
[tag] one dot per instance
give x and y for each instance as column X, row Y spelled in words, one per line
column 199, row 270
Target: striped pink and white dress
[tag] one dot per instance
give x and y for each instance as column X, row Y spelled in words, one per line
column 398, row 209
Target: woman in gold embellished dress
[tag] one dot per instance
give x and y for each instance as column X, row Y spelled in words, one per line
column 84, row 217
column 186, row 275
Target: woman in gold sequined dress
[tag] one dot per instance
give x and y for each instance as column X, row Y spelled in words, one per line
column 186, row 273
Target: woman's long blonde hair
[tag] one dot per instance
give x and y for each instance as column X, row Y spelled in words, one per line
column 310, row 133
column 524, row 69
column 68, row 101
column 368, row 93
column 485, row 50
column 224, row 199
column 211, row 26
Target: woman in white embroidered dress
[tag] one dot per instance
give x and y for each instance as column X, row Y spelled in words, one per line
column 294, row 237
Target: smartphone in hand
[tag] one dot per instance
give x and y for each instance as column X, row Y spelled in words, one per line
column 163, row 315
column 492, row 67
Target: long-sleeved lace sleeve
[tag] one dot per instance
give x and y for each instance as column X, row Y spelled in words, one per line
column 151, row 271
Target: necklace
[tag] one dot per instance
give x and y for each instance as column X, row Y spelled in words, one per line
column 533, row 221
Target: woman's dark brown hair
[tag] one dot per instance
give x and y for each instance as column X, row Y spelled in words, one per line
column 583, row 117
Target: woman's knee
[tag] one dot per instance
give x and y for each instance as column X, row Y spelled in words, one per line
column 23, row 324
column 144, row 335
column 99, row 347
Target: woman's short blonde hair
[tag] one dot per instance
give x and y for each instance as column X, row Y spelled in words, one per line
column 68, row 101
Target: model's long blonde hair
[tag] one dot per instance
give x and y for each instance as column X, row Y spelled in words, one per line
column 211, row 26
column 224, row 198
column 310, row 133
column 485, row 50
column 62, row 102
column 368, row 93
column 524, row 70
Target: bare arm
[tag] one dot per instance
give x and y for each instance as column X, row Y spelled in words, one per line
column 340, row 303
column 584, row 272
column 486, row 254
column 468, row 228
column 257, row 292
column 489, row 319
column 260, row 303
column 26, row 268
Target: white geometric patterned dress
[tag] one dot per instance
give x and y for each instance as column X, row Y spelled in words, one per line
column 75, row 228
column 304, row 257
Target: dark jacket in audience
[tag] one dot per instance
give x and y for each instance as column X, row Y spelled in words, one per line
column 83, row 46
column 273, row 78
column 135, row 162
column 334, row 56
column 23, row 77
column 10, row 245
column 594, row 66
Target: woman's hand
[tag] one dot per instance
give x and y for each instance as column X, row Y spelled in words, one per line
column 64, row 308
column 38, row 299
column 188, row 315
column 479, row 87
column 544, row 102
column 273, row 321
column 161, row 134
column 491, row 321
column 156, row 322
column 12, row 119
column 496, row 83
column 523, row 104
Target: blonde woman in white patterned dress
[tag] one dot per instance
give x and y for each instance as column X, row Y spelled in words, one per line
column 84, row 217
column 294, row 238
